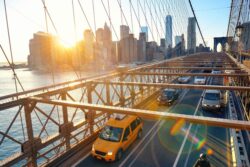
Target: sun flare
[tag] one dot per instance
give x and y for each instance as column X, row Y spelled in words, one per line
column 67, row 43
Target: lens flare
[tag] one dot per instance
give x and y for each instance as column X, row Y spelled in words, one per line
column 177, row 127
column 210, row 151
column 200, row 144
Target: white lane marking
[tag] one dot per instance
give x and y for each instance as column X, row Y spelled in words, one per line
column 146, row 144
column 74, row 165
column 191, row 146
column 158, row 122
column 137, row 146
column 196, row 129
column 185, row 139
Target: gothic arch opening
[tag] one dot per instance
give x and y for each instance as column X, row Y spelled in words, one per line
column 219, row 47
column 226, row 47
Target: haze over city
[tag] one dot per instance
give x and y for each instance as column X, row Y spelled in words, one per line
column 26, row 18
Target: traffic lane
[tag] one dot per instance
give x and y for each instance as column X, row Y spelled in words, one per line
column 208, row 139
column 93, row 162
column 211, row 140
column 162, row 148
column 147, row 130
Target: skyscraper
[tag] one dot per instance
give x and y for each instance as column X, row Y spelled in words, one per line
column 141, row 44
column 124, row 31
column 88, row 47
column 177, row 39
column 144, row 29
column 44, row 51
column 191, row 35
column 128, row 50
column 169, row 34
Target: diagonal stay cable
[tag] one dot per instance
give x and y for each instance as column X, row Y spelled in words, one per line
column 12, row 68
column 109, row 19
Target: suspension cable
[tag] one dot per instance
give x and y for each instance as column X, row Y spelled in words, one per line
column 146, row 20
column 10, row 46
column 86, row 18
column 197, row 22
column 45, row 7
column 152, row 20
column 138, row 20
column 122, row 13
column 109, row 20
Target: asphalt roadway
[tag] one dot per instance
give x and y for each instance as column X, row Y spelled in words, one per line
column 161, row 145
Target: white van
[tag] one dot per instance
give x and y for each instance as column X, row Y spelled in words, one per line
column 200, row 80
column 212, row 100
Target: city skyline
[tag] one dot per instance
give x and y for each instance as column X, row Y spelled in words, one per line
column 31, row 20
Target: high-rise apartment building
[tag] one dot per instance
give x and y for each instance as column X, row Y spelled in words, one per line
column 191, row 35
column 169, row 33
column 178, row 39
column 144, row 29
column 124, row 31
column 43, row 51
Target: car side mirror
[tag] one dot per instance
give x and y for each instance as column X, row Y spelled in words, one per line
column 125, row 138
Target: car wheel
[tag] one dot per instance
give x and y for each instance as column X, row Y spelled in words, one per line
column 139, row 134
column 118, row 155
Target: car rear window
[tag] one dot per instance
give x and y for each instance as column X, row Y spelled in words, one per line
column 212, row 96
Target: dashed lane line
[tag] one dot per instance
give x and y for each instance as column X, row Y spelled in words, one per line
column 138, row 145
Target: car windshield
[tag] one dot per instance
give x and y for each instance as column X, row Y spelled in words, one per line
column 169, row 93
column 212, row 96
column 184, row 77
column 111, row 133
column 200, row 77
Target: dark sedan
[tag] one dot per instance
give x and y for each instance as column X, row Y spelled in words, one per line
column 168, row 96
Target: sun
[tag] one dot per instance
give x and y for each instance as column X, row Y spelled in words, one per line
column 67, row 43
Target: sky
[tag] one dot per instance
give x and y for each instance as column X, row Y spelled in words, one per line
column 27, row 17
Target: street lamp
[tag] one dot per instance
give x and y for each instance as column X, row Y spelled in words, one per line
column 239, row 31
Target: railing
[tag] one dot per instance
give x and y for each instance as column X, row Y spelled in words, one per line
column 45, row 132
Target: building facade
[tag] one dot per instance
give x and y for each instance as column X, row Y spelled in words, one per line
column 142, row 47
column 45, row 51
column 144, row 29
column 178, row 39
column 128, row 50
column 124, row 31
column 191, row 35
column 168, row 33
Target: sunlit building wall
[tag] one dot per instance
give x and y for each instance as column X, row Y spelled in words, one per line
column 124, row 31
column 88, row 46
column 42, row 48
column 128, row 50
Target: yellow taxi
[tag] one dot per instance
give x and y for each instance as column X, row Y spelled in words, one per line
column 116, row 136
